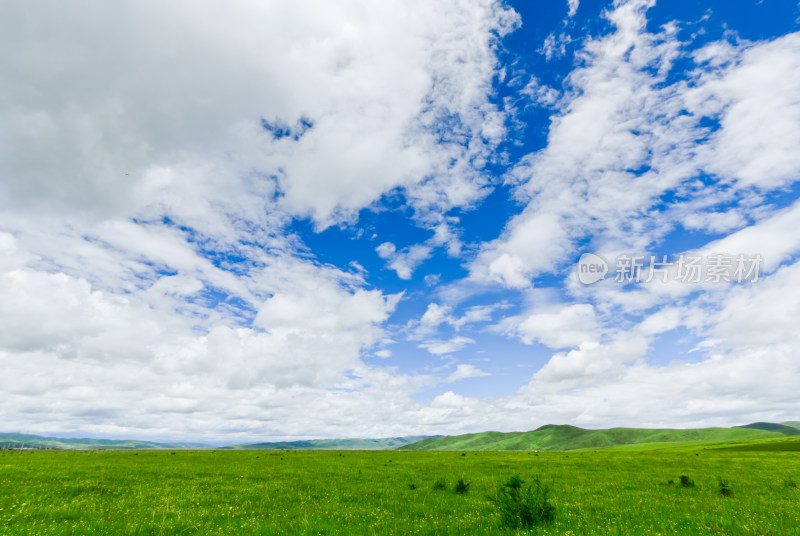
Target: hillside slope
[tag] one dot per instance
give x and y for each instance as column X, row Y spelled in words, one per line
column 564, row 437
column 783, row 428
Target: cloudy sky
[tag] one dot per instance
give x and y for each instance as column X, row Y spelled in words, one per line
column 254, row 220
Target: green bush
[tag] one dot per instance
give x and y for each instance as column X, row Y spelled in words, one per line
column 461, row 486
column 440, row 484
column 686, row 482
column 724, row 489
column 524, row 507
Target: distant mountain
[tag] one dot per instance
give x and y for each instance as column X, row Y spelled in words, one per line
column 38, row 442
column 550, row 437
column 334, row 444
column 564, row 437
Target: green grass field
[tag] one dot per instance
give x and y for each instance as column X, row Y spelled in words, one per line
column 326, row 492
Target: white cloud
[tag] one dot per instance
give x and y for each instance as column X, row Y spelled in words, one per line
column 450, row 346
column 387, row 250
column 759, row 315
column 133, row 175
column 435, row 315
column 555, row 46
column 432, row 279
column 403, row 262
column 98, row 362
column 714, row 392
column 464, row 371
column 532, row 243
column 476, row 314
column 622, row 140
column 621, row 117
column 573, row 7
column 567, row 326
column 757, row 97
column 539, row 93
column 747, row 371
column 10, row 255
column 714, row 222
column 103, row 120
column 322, row 307
column 611, row 122
column 775, row 238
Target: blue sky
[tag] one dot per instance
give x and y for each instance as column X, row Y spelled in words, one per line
column 364, row 219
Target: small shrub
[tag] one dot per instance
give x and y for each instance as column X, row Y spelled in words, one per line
column 440, row 484
column 686, row 482
column 524, row 507
column 789, row 483
column 461, row 486
column 724, row 488
column 411, row 485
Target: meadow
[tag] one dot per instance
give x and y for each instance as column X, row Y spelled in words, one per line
column 601, row 492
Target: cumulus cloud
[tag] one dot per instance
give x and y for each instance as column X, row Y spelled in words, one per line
column 67, row 348
column 755, row 95
column 567, row 326
column 350, row 84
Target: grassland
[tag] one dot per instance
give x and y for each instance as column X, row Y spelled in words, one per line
column 603, row 492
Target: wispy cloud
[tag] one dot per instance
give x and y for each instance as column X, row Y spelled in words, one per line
column 464, row 371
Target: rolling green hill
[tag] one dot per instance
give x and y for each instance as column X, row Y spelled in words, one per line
column 564, row 437
column 334, row 444
column 773, row 427
column 793, row 424
column 15, row 441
